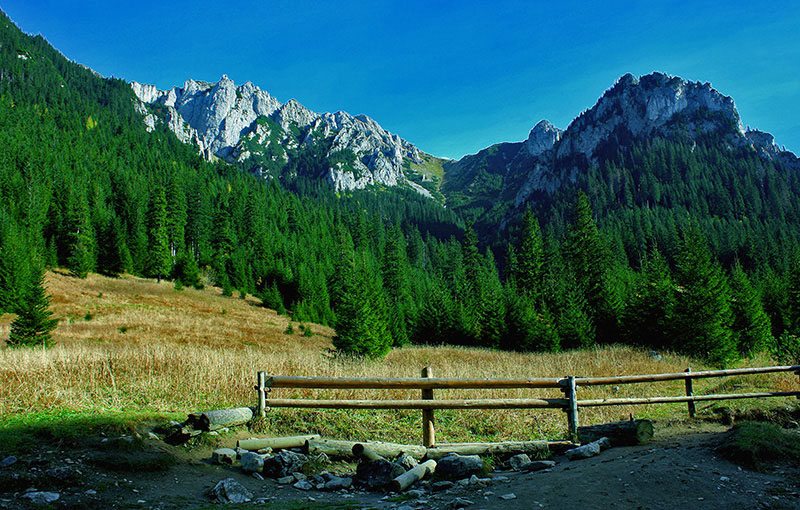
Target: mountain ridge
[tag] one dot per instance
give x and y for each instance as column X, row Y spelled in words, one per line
column 222, row 119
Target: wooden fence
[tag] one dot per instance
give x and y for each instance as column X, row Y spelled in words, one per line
column 568, row 385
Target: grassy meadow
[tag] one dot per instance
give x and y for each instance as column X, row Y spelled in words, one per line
column 130, row 350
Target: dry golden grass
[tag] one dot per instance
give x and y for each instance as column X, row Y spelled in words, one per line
column 147, row 347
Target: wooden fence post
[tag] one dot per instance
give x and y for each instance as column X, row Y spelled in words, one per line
column 262, row 395
column 569, row 388
column 690, row 393
column 428, row 430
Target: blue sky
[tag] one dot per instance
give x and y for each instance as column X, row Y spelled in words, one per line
column 452, row 77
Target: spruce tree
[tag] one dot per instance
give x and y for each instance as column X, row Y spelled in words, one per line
column 362, row 316
column 751, row 327
column 159, row 262
column 34, row 321
column 702, row 321
column 81, row 241
column 530, row 258
column 588, row 260
column 792, row 315
column 651, row 306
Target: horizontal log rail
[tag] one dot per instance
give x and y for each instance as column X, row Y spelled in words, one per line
column 645, row 378
column 672, row 400
column 568, row 385
column 406, row 383
column 496, row 403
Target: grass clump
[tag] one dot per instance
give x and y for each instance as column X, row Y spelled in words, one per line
column 756, row 444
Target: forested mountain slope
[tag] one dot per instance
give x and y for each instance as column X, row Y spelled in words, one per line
column 671, row 230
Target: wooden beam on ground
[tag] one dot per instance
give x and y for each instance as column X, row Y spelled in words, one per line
column 539, row 449
column 413, row 475
column 362, row 451
column 336, row 448
column 276, row 443
column 505, row 403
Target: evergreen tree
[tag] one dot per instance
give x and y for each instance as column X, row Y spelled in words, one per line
column 395, row 270
column 751, row 326
column 651, row 306
column 362, row 317
column 588, row 261
column 81, row 240
column 702, row 322
column 792, row 315
column 34, row 321
column 159, row 262
column 528, row 328
column 530, row 259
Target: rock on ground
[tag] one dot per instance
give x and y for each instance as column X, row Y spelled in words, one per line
column 42, row 498
column 230, row 491
column 252, row 462
column 456, row 467
column 588, row 450
column 518, row 462
column 284, row 463
column 223, row 456
column 377, row 473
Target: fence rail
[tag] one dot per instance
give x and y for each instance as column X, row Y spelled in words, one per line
column 568, row 385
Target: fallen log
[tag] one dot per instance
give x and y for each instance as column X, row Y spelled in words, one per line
column 540, row 449
column 215, row 420
column 276, row 443
column 415, row 474
column 620, row 433
column 335, row 448
column 362, row 451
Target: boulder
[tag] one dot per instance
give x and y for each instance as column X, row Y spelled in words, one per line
column 456, row 467
column 518, row 462
column 284, row 463
column 336, row 483
column 252, row 462
column 538, row 465
column 223, row 456
column 230, row 491
column 588, row 450
column 375, row 474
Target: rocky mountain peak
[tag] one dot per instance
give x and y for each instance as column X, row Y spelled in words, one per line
column 647, row 106
column 542, row 137
column 221, row 119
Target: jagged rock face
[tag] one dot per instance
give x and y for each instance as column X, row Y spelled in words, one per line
column 542, row 138
column 221, row 119
column 646, row 107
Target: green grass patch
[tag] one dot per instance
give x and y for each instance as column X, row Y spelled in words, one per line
column 20, row 433
column 756, row 444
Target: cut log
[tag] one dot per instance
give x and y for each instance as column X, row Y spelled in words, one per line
column 362, row 451
column 621, row 433
column 411, row 476
column 334, row 448
column 215, row 420
column 539, row 449
column 276, row 443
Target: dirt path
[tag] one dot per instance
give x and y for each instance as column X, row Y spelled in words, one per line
column 682, row 471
